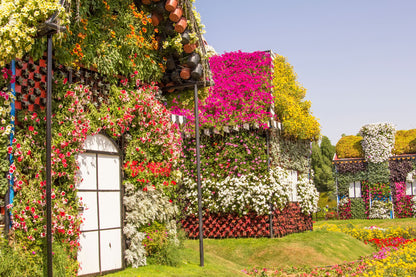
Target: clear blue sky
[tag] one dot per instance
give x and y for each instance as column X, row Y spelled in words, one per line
column 356, row 58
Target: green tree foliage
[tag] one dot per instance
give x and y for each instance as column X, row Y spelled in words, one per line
column 322, row 165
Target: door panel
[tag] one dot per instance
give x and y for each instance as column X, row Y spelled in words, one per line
column 88, row 171
column 110, row 249
column 108, row 172
column 109, row 209
column 87, row 255
column 90, row 210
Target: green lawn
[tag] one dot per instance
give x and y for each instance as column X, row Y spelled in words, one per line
column 227, row 257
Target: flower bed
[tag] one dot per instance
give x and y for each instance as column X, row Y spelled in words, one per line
column 287, row 221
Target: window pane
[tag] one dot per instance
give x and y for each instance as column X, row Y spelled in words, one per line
column 358, row 189
column 351, row 190
column 408, row 188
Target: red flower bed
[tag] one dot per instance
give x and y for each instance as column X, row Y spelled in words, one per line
column 287, row 221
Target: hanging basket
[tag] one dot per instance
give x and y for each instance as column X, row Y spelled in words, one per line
column 171, row 5
column 146, row 2
column 176, row 15
column 189, row 48
column 196, row 74
column 193, row 60
column 185, row 73
column 181, row 25
column 156, row 19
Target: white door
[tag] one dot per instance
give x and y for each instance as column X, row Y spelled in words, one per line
column 100, row 190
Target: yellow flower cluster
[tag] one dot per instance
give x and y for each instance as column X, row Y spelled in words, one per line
column 290, row 106
column 366, row 234
column 405, row 142
column 5, row 126
column 401, row 262
column 18, row 25
column 349, row 147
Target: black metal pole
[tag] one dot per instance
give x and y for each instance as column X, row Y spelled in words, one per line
column 48, row 159
column 198, row 176
column 268, row 171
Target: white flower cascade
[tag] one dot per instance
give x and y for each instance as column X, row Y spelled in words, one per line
column 378, row 141
column 249, row 193
column 143, row 208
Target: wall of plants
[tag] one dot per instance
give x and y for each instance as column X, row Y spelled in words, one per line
column 381, row 174
column 116, row 45
column 235, row 175
column 151, row 146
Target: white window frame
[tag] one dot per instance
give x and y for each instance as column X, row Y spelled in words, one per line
column 355, row 190
column 411, row 188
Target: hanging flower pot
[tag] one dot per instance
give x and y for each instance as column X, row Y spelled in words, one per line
column 197, row 72
column 185, row 73
column 169, row 30
column 156, row 19
column 171, row 5
column 146, row 2
column 193, row 60
column 176, row 14
column 189, row 48
column 176, row 77
column 160, row 8
column 181, row 25
column 170, row 64
column 185, row 37
column 155, row 0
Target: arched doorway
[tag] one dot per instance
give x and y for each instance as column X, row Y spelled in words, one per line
column 100, row 190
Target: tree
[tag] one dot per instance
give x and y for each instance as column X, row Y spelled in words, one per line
column 322, row 165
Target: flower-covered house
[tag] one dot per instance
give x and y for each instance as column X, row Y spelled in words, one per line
column 375, row 173
column 255, row 150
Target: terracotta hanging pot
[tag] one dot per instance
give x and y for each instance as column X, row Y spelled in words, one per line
column 181, row 25
column 176, row 14
column 156, row 19
column 171, row 5
column 185, row 73
column 189, row 48
column 155, row 0
column 146, row 2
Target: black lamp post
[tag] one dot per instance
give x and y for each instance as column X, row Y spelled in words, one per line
column 49, row 28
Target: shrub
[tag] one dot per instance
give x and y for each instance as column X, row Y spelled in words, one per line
column 405, row 142
column 349, row 147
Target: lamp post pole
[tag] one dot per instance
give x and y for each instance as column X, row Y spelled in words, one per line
column 198, row 169
column 48, row 158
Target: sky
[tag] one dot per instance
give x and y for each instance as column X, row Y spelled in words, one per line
column 356, row 58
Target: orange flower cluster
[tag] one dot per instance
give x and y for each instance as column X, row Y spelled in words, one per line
column 78, row 51
column 106, row 5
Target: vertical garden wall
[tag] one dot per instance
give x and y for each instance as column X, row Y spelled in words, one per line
column 255, row 178
column 106, row 66
column 374, row 173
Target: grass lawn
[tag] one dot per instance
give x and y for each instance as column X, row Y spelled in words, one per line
column 227, row 257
